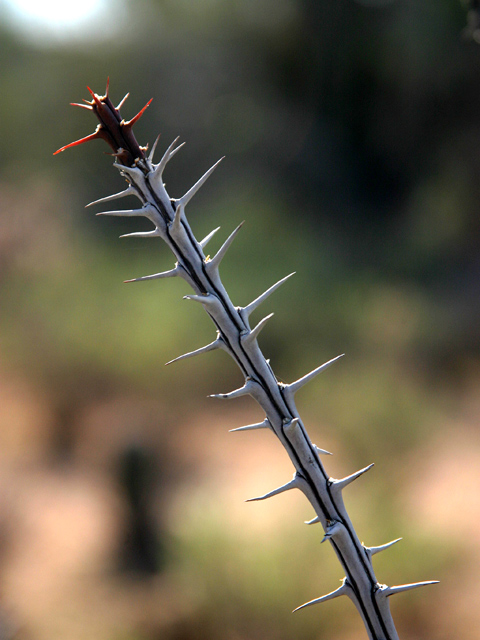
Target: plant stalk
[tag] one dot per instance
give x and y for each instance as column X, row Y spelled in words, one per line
column 236, row 337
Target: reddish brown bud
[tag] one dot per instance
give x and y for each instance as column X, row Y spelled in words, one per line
column 112, row 128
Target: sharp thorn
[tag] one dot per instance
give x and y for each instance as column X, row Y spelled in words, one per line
column 216, row 344
column 291, row 426
column 213, row 264
column 164, row 274
column 258, row 301
column 128, row 171
column 298, row 384
column 238, row 393
column 135, row 119
column 251, row 427
column 203, row 243
column 142, row 234
column 253, row 334
column 344, row 482
column 176, row 223
column 341, row 591
column 315, row 520
column 174, row 151
column 185, row 199
column 391, row 591
column 92, row 136
column 95, row 97
column 168, row 155
column 373, row 550
column 322, row 452
column 126, row 192
column 83, row 106
column 125, row 213
column 332, row 530
column 292, row 484
column 209, row 299
column 202, row 299
column 152, row 152
column 122, row 102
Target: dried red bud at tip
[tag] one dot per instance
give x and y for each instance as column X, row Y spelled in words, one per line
column 112, row 129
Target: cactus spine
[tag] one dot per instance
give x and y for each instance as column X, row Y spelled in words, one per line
column 236, row 337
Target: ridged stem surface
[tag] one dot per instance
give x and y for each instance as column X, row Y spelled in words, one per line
column 235, row 336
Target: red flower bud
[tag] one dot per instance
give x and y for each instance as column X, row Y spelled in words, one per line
column 113, row 129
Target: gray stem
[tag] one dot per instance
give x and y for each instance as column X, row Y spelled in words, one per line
column 235, row 336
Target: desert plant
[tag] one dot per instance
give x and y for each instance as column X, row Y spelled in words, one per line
column 236, row 337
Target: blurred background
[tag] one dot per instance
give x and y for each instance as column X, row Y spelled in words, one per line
column 351, row 131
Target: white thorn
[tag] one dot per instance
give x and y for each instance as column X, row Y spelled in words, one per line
column 315, row 520
column 291, row 426
column 373, row 550
column 143, row 234
column 168, row 155
column 176, row 223
column 203, row 243
column 147, row 211
column 203, row 299
column 125, row 213
column 332, row 530
column 129, row 171
column 253, row 305
column 292, row 484
column 121, row 194
column 339, row 485
column 214, row 263
column 152, row 152
column 209, row 300
column 343, row 590
column 185, row 199
column 164, row 274
column 253, row 334
column 251, row 427
column 391, row 591
column 175, row 151
column 298, row 384
column 216, row 344
column 322, row 452
column 238, row 393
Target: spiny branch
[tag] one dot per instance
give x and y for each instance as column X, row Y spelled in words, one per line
column 145, row 181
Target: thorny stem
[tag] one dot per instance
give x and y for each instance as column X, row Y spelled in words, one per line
column 235, row 336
